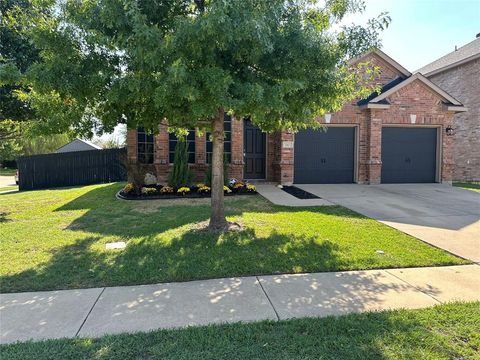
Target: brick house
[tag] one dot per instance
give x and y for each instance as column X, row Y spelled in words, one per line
column 399, row 135
column 459, row 73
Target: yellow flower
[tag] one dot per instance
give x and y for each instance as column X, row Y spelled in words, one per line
column 204, row 189
column 251, row 188
column 166, row 190
column 238, row 185
column 226, row 189
column 183, row 190
column 128, row 188
column 148, row 191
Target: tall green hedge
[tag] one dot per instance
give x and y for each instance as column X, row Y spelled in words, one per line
column 180, row 174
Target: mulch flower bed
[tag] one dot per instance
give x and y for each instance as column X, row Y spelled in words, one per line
column 197, row 191
column 299, row 193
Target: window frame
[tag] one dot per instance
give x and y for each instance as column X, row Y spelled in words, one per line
column 145, row 157
column 191, row 146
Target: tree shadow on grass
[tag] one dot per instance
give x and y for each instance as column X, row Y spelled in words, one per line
column 110, row 216
column 3, row 217
column 161, row 249
column 191, row 255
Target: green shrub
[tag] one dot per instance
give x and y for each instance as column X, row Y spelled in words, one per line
column 180, row 174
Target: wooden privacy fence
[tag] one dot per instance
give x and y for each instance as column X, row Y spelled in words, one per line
column 71, row 169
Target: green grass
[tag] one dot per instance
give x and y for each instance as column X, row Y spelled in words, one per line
column 474, row 185
column 7, row 172
column 449, row 331
column 55, row 239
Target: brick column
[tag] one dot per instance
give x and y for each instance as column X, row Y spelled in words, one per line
column 237, row 163
column 374, row 148
column 447, row 161
column 270, row 161
column 161, row 154
column 132, row 145
column 284, row 157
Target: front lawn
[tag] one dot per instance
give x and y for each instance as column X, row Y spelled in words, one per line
column 447, row 331
column 474, row 186
column 55, row 239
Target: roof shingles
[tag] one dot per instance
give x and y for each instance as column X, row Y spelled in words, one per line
column 470, row 50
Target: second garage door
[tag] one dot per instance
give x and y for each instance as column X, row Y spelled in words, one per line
column 409, row 155
column 324, row 157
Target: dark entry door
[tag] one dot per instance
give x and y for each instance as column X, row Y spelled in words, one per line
column 409, row 155
column 255, row 151
column 324, row 157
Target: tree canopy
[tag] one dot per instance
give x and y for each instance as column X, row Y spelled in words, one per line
column 17, row 50
column 139, row 61
column 282, row 63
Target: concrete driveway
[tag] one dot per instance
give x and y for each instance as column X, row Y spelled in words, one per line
column 7, row 181
column 441, row 215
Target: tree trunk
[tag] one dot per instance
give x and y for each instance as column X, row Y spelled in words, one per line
column 217, row 217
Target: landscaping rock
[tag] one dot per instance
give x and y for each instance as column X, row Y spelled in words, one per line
column 150, row 179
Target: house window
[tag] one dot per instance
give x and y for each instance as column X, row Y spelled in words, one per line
column 172, row 143
column 227, row 127
column 145, row 147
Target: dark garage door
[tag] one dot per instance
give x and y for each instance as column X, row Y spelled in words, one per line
column 324, row 157
column 409, row 155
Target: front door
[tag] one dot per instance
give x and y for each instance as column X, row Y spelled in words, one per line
column 255, row 151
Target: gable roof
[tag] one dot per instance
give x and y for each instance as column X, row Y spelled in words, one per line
column 78, row 144
column 384, row 88
column 380, row 101
column 386, row 58
column 466, row 53
column 448, row 98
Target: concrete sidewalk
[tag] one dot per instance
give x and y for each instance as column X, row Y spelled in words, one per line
column 100, row 311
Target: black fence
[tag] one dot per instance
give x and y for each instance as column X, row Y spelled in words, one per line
column 71, row 169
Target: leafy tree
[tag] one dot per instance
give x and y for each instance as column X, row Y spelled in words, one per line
column 180, row 174
column 31, row 145
column 15, row 49
column 106, row 62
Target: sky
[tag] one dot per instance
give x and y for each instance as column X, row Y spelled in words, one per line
column 421, row 31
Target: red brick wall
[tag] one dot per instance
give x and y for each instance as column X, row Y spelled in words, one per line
column 462, row 82
column 415, row 98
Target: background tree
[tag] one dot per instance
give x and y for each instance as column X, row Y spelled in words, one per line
column 15, row 48
column 188, row 62
column 17, row 52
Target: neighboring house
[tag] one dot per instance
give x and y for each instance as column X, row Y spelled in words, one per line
column 459, row 73
column 399, row 136
column 78, row 145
